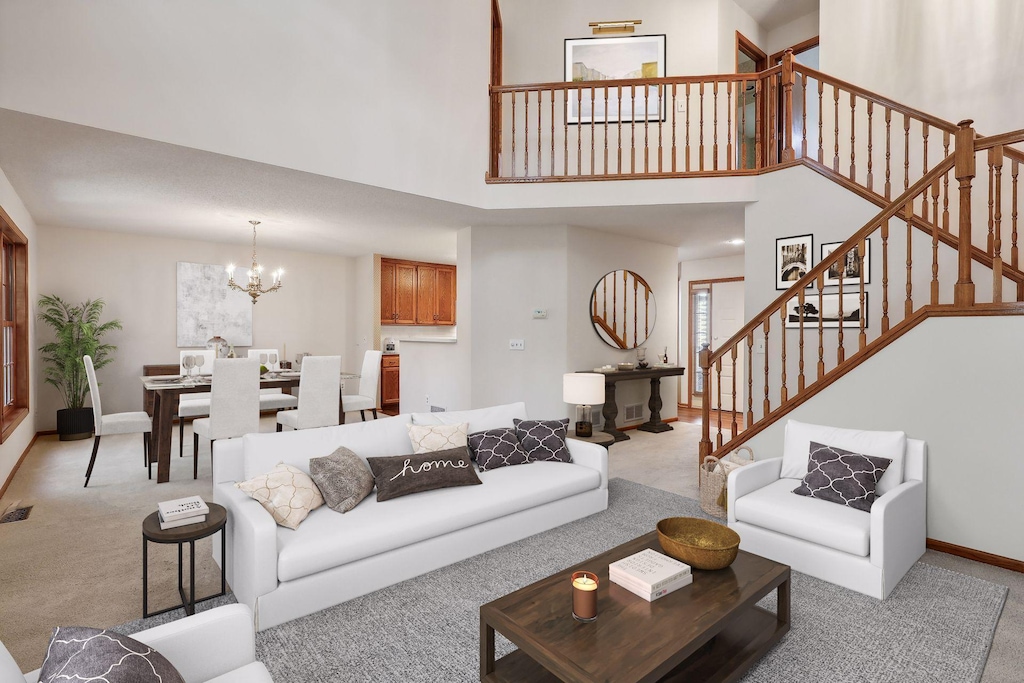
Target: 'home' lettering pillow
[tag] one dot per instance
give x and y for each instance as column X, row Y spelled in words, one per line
column 400, row 475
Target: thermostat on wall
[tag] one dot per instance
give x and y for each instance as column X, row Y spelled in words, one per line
column 540, row 313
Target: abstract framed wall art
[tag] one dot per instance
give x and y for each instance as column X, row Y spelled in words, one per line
column 602, row 59
column 206, row 307
column 793, row 257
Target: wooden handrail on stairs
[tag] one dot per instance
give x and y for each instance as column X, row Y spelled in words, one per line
column 911, row 228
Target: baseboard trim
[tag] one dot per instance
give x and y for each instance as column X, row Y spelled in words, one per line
column 976, row 555
column 46, row 432
column 638, row 424
column 21, row 458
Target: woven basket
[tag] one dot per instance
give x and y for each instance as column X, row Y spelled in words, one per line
column 713, row 498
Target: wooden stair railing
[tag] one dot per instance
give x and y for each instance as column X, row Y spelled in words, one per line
column 630, row 310
column 796, row 329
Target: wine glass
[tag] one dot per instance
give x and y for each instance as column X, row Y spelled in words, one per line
column 273, row 361
column 189, row 362
column 200, row 360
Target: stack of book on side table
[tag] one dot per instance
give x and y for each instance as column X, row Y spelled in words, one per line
column 650, row 574
column 182, row 511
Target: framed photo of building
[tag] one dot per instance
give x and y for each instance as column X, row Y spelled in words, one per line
column 604, row 59
column 848, row 269
column 829, row 313
column 793, row 256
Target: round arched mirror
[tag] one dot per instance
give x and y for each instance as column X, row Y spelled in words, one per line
column 622, row 309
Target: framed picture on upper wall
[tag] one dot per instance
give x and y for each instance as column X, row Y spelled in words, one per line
column 603, row 59
column 847, row 269
column 793, row 257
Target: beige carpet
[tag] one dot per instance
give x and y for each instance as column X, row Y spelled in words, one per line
column 78, row 558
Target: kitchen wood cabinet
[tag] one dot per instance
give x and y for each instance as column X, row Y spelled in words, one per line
column 389, row 382
column 415, row 293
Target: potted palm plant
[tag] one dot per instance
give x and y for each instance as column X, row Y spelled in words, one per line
column 78, row 333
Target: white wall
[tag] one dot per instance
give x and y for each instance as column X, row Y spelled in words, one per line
column 732, row 18
column 136, row 275
column 930, row 384
column 950, row 58
column 18, row 441
column 789, row 34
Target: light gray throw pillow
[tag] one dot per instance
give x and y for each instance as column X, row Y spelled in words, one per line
column 342, row 477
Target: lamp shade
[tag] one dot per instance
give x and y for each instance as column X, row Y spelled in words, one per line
column 583, row 388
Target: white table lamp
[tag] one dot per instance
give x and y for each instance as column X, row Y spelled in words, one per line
column 585, row 389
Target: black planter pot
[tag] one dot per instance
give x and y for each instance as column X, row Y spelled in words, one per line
column 74, row 424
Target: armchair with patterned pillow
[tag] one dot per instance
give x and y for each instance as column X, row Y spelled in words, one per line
column 843, row 505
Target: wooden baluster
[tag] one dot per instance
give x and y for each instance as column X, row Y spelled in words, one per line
column 924, row 203
column 988, row 242
column 908, row 212
column 821, row 121
column 714, row 112
column 935, row 242
column 605, row 313
column 579, row 131
column 750, row 379
column 593, row 122
column 618, row 163
column 963, row 292
column 513, row 93
column 647, row 312
column 835, row 158
column 871, row 175
column 728, row 126
column 615, row 308
column 821, row 328
column 565, row 134
column 995, row 159
column 853, row 136
column 673, row 127
column 767, row 355
column 783, row 394
column 800, row 316
column 840, row 351
column 743, row 123
column 888, row 152
column 636, row 285
column 773, row 117
column 885, row 276
column 1014, row 168
column 735, row 427
column 803, row 116
column 718, row 370
column 906, row 152
column 861, row 251
column 787, row 105
column 704, row 360
column 700, row 148
column 661, row 103
column 607, row 171
column 526, row 134
column 552, row 133
column 758, row 155
column 632, row 130
column 647, row 91
column 687, row 144
column 945, row 184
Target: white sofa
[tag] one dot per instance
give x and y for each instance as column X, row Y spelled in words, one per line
column 215, row 646
column 868, row 552
column 331, row 558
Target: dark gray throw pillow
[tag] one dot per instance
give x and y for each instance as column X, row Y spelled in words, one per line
column 543, row 439
column 842, row 477
column 343, row 479
column 77, row 653
column 496, row 448
column 400, row 475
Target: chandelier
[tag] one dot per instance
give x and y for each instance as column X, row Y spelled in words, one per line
column 255, row 285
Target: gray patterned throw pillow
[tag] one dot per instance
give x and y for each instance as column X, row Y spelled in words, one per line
column 496, row 448
column 543, row 439
column 842, row 477
column 343, row 479
column 77, row 653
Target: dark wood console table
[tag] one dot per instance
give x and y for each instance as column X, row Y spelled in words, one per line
column 611, row 409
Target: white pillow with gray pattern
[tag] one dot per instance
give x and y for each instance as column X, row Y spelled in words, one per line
column 431, row 438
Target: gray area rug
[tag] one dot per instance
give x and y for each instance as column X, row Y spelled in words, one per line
column 937, row 625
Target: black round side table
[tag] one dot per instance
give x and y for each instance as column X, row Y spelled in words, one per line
column 190, row 533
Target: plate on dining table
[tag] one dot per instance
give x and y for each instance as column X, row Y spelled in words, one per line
column 167, row 380
column 289, row 374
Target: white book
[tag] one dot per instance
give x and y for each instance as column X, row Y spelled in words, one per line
column 183, row 521
column 649, row 568
column 684, row 580
column 180, row 508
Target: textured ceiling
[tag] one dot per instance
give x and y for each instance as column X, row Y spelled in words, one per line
column 80, row 177
column 771, row 14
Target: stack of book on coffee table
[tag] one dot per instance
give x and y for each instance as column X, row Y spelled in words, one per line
column 650, row 574
column 182, row 511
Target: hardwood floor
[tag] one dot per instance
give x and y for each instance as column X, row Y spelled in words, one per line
column 694, row 416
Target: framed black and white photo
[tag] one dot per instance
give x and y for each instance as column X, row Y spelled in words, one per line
column 793, row 257
column 603, row 59
column 848, row 268
column 829, row 313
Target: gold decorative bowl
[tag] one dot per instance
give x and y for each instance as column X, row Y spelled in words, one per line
column 700, row 543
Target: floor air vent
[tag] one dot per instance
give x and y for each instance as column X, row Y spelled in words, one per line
column 634, row 411
column 16, row 515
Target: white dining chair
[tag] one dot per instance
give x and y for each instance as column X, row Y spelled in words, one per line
column 273, row 398
column 196, row 404
column 115, row 423
column 234, row 405
column 319, row 394
column 366, row 399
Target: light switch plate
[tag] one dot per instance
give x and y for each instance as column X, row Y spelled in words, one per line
column 540, row 313
column 516, row 344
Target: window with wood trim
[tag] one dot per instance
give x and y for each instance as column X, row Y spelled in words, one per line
column 14, row 309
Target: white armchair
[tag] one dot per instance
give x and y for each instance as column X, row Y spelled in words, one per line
column 215, row 646
column 868, row 552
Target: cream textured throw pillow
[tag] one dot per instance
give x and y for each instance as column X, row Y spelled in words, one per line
column 430, row 438
column 286, row 492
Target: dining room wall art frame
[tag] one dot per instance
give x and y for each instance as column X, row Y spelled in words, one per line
column 601, row 59
column 829, row 311
column 207, row 307
column 793, row 259
column 851, row 266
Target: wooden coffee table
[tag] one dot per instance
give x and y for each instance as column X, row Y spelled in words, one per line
column 711, row 630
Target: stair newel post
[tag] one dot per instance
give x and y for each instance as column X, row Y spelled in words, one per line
column 963, row 292
column 787, row 103
column 704, row 359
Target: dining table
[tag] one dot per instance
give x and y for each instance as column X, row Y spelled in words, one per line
column 167, row 390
